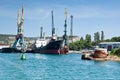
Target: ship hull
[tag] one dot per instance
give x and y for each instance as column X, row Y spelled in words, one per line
column 11, row 50
column 55, row 47
column 55, row 51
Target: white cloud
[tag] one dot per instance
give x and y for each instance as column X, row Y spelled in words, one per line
column 94, row 12
column 37, row 13
column 32, row 14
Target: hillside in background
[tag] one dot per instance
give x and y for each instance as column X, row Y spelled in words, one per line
column 9, row 38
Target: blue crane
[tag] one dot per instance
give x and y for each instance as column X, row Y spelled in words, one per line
column 19, row 43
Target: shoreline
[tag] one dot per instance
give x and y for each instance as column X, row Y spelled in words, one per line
column 113, row 58
column 87, row 56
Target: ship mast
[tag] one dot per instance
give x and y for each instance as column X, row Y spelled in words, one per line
column 65, row 25
column 53, row 28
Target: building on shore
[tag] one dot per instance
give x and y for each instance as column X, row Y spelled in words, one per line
column 109, row 45
column 74, row 39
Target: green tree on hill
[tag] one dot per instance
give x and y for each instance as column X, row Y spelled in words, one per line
column 115, row 39
column 102, row 36
column 88, row 40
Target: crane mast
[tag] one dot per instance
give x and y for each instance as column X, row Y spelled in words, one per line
column 65, row 26
column 71, row 29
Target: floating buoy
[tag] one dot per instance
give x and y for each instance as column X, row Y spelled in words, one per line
column 23, row 57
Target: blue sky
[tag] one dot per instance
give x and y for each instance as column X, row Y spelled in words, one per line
column 89, row 16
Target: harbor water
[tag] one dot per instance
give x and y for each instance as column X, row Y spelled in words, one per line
column 56, row 67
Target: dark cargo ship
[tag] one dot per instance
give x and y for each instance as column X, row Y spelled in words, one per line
column 53, row 47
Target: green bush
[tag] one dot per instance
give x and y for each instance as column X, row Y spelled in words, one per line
column 115, row 52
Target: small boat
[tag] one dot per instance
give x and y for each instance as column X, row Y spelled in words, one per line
column 3, row 46
column 99, row 54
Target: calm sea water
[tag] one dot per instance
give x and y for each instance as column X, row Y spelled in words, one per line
column 56, row 67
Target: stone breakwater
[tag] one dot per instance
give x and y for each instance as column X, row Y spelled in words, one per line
column 113, row 58
column 109, row 58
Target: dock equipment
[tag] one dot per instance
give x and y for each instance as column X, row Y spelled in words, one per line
column 19, row 43
column 65, row 31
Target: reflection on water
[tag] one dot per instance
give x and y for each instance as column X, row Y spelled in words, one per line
column 39, row 56
column 56, row 67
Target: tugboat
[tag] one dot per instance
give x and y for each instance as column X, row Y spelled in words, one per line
column 97, row 54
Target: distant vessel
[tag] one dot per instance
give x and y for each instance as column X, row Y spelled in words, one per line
column 54, row 46
column 3, row 46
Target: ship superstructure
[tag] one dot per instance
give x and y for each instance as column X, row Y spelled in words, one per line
column 40, row 42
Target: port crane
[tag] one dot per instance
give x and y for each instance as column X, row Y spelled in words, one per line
column 19, row 43
column 65, row 25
